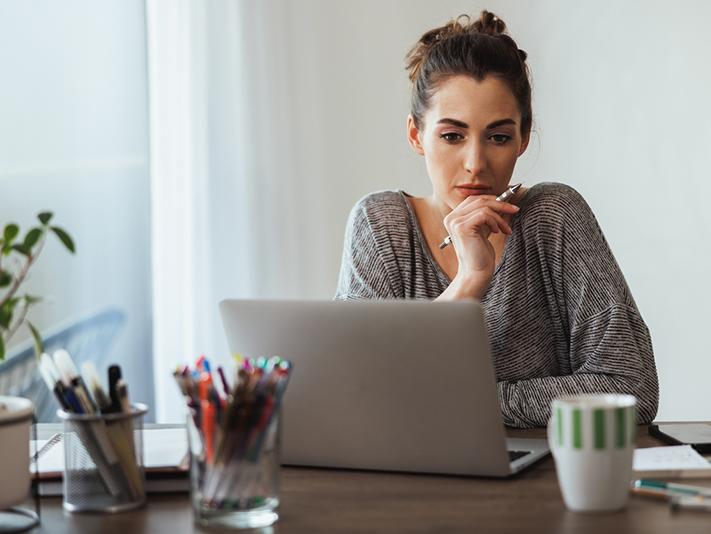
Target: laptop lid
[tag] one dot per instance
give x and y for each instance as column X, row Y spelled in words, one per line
column 394, row 385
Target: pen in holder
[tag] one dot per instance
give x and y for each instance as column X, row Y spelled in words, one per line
column 103, row 460
column 242, row 488
column 234, row 441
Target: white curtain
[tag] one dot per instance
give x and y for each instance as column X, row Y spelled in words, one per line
column 220, row 151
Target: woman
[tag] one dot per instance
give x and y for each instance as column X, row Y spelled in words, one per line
column 560, row 317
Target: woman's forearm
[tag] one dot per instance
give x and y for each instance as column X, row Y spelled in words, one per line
column 526, row 403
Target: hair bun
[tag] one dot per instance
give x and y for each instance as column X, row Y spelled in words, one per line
column 489, row 24
column 417, row 54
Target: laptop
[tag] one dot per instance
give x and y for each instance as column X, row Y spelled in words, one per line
column 395, row 385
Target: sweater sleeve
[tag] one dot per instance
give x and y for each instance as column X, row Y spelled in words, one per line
column 610, row 349
column 363, row 274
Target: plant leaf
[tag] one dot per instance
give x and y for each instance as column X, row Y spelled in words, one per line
column 39, row 346
column 64, row 238
column 45, row 217
column 6, row 311
column 10, row 233
column 5, row 278
column 30, row 299
column 32, row 237
column 2, row 349
column 22, row 249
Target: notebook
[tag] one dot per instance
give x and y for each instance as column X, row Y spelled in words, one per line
column 165, row 455
column 680, row 461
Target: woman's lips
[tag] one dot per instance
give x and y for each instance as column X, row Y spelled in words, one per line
column 472, row 191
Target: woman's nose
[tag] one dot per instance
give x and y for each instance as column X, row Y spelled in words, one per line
column 475, row 160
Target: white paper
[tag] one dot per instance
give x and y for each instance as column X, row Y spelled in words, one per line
column 52, row 459
column 677, row 457
column 162, row 447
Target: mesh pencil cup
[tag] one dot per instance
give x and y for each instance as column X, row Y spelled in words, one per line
column 103, row 461
column 236, row 484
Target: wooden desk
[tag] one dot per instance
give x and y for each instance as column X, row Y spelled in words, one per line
column 321, row 500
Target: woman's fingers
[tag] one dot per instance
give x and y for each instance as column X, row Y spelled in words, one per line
column 476, row 220
column 473, row 203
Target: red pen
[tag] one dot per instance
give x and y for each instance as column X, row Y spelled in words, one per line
column 207, row 415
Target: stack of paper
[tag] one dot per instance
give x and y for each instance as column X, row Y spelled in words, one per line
column 679, row 461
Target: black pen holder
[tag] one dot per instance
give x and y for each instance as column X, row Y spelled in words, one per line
column 103, row 461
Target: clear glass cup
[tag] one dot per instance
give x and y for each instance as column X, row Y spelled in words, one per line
column 103, row 461
column 239, row 488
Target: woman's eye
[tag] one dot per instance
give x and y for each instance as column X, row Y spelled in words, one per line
column 500, row 139
column 451, row 137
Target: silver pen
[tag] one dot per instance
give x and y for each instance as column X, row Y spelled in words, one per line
column 503, row 197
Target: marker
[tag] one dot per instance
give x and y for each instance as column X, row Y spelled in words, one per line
column 52, row 384
column 207, row 416
column 70, row 399
column 122, row 391
column 114, row 377
column 71, row 378
column 223, row 380
column 671, row 488
column 503, row 197
column 91, row 377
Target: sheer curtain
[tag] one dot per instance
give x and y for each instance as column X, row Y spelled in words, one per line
column 220, row 149
column 74, row 141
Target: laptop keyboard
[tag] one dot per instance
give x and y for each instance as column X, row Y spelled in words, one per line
column 515, row 455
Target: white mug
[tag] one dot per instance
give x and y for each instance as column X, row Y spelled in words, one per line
column 15, row 420
column 592, row 440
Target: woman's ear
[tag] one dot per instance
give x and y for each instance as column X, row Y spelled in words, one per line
column 524, row 144
column 413, row 136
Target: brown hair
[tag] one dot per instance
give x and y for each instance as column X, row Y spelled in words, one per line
column 477, row 49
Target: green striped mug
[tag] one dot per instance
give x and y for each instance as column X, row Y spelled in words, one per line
column 592, row 440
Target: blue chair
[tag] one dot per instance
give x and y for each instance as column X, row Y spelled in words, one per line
column 86, row 339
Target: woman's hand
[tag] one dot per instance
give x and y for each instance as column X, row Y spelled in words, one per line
column 469, row 225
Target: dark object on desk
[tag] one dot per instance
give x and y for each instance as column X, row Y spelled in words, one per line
column 696, row 434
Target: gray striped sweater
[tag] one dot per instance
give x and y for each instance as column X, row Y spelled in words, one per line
column 560, row 317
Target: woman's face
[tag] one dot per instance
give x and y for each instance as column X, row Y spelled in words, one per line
column 470, row 138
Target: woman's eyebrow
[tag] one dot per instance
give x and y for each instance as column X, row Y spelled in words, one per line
column 460, row 124
column 453, row 122
column 501, row 122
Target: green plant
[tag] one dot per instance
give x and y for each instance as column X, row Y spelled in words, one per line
column 13, row 306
